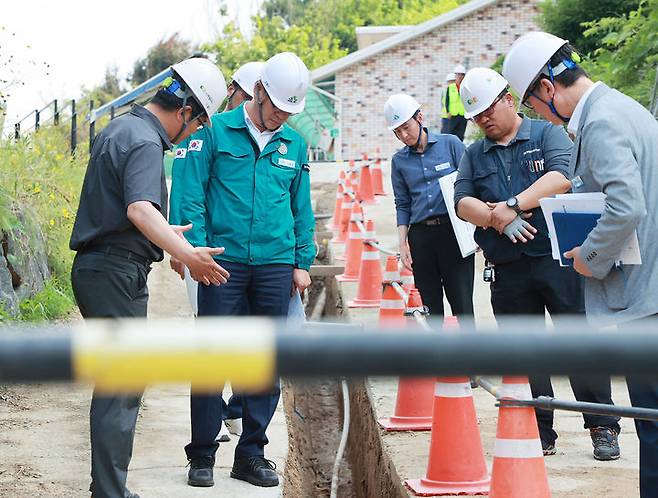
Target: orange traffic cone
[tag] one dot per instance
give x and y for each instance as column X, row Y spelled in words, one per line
column 391, row 310
column 366, row 193
column 369, row 294
column 334, row 224
column 456, row 463
column 518, row 465
column 353, row 248
column 345, row 213
column 407, row 278
column 353, row 175
column 377, row 176
column 415, row 398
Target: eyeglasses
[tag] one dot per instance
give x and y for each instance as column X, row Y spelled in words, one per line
column 201, row 121
column 530, row 93
column 489, row 110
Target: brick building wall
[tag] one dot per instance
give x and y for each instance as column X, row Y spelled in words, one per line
column 419, row 67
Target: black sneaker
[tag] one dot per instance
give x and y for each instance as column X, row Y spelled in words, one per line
column 547, row 448
column 605, row 442
column 256, row 470
column 200, row 473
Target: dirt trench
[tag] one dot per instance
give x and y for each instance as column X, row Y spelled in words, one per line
column 314, row 411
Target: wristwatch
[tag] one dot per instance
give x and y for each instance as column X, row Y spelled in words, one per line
column 513, row 203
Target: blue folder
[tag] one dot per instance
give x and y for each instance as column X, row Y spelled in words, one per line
column 572, row 230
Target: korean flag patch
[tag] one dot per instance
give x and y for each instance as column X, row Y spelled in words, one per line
column 181, row 153
column 195, row 145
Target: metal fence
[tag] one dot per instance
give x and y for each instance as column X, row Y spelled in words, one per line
column 59, row 112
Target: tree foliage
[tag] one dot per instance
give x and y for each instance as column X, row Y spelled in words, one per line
column 111, row 88
column 627, row 57
column 319, row 31
column 565, row 18
column 271, row 36
column 619, row 39
column 160, row 56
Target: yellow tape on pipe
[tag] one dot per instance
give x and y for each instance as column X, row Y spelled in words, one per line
column 127, row 355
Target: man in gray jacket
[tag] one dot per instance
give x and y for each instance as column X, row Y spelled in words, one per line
column 615, row 152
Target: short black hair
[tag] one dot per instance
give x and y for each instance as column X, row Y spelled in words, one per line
column 170, row 102
column 569, row 76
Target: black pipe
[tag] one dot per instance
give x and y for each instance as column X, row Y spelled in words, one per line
column 550, row 404
column 413, row 353
column 74, row 128
column 327, row 350
column 35, row 357
column 92, row 124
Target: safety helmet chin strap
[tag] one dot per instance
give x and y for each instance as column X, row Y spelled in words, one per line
column 172, row 86
column 420, row 129
column 551, row 73
column 260, row 111
column 236, row 88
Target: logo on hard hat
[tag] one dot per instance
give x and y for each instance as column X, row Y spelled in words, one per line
column 472, row 100
column 203, row 89
column 396, row 117
column 293, row 99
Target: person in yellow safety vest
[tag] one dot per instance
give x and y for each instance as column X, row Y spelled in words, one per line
column 454, row 122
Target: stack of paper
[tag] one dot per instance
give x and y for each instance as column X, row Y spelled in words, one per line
column 571, row 217
column 464, row 231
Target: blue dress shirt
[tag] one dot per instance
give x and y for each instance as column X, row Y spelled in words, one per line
column 415, row 177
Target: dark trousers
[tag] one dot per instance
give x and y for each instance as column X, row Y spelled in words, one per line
column 232, row 409
column 528, row 287
column 108, row 286
column 267, row 289
column 438, row 265
column 455, row 125
column 643, row 392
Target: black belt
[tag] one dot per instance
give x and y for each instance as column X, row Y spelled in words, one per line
column 435, row 220
column 117, row 251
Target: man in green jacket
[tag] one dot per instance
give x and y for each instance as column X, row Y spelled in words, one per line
column 454, row 122
column 240, row 90
column 247, row 185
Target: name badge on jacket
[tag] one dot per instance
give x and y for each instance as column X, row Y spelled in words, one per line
column 288, row 163
column 442, row 166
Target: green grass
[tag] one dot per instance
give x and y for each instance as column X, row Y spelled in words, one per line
column 54, row 301
column 40, row 179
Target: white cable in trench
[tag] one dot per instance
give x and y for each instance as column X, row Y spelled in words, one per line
column 343, row 439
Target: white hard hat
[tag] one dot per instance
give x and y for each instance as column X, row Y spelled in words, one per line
column 479, row 89
column 399, row 109
column 247, row 75
column 285, row 79
column 527, row 57
column 459, row 69
column 205, row 82
column 450, row 77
